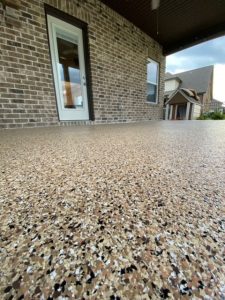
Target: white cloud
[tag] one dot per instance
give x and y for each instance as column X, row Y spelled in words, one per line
column 205, row 54
column 218, row 82
column 176, row 64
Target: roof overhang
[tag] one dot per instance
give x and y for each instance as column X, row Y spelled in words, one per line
column 173, row 78
column 181, row 23
column 184, row 95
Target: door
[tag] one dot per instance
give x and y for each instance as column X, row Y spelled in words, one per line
column 181, row 112
column 67, row 54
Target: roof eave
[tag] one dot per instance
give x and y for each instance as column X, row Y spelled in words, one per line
column 192, row 40
column 184, row 95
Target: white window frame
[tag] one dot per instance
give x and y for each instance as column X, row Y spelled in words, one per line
column 149, row 60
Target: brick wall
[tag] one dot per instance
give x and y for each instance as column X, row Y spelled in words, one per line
column 118, row 55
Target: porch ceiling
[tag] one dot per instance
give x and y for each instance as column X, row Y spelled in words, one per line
column 181, row 23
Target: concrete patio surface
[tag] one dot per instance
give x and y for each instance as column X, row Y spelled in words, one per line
column 131, row 211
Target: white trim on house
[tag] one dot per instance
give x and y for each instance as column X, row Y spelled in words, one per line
column 192, row 107
column 57, row 27
column 149, row 60
column 188, row 110
column 185, row 96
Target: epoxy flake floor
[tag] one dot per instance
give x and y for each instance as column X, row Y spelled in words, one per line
column 113, row 212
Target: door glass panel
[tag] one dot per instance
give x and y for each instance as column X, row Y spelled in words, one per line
column 70, row 75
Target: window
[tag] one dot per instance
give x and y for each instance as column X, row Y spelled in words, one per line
column 152, row 81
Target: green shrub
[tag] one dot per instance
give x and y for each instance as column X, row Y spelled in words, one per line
column 217, row 116
column 212, row 116
column 203, row 117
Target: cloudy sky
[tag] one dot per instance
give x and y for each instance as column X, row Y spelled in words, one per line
column 205, row 54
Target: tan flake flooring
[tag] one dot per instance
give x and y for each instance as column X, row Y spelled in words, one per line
column 113, row 212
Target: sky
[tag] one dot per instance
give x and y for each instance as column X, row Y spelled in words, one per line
column 204, row 54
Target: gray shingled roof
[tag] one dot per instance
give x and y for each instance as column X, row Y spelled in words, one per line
column 185, row 95
column 197, row 79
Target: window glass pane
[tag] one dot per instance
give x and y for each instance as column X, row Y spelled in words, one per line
column 152, row 72
column 70, row 73
column 151, row 92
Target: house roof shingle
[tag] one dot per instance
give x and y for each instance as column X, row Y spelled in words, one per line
column 186, row 94
column 197, row 79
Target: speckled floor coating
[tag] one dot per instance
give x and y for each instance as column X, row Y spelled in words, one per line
column 113, row 212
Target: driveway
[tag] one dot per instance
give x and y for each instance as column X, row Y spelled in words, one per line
column 113, row 212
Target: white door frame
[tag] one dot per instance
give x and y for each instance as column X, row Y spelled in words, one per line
column 73, row 34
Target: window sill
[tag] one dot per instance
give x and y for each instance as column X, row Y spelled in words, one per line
column 152, row 103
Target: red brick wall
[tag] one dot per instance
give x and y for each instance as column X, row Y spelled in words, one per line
column 118, row 55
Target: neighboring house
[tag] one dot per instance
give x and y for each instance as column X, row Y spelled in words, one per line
column 199, row 80
column 183, row 104
column 216, row 106
column 91, row 61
